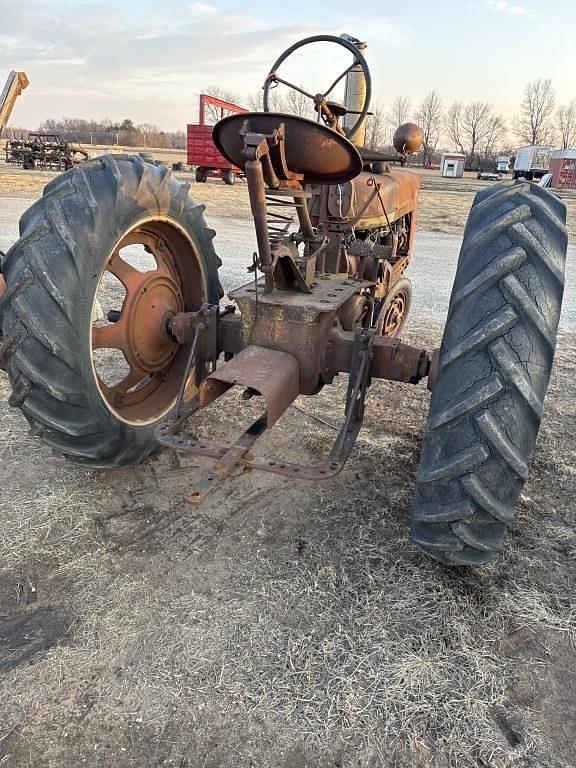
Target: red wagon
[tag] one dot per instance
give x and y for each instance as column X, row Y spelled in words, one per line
column 201, row 149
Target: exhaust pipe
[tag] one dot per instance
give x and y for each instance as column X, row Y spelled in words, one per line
column 354, row 95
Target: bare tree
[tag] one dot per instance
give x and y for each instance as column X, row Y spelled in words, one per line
column 566, row 121
column 474, row 129
column 477, row 125
column 398, row 113
column 376, row 128
column 79, row 130
column 283, row 100
column 298, row 104
column 276, row 101
column 534, row 124
column 453, row 125
column 429, row 118
column 494, row 135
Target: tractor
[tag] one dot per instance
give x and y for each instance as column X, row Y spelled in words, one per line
column 116, row 332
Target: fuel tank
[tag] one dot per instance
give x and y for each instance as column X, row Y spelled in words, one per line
column 398, row 195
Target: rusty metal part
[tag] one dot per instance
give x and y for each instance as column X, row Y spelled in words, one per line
column 296, row 322
column 363, row 206
column 274, row 374
column 44, row 150
column 227, row 463
column 230, row 457
column 395, row 308
column 433, row 372
column 408, row 139
column 257, row 191
column 321, row 155
column 268, row 372
column 353, row 314
column 155, row 360
column 221, row 331
column 312, row 314
column 2, row 288
column 394, row 315
column 390, row 358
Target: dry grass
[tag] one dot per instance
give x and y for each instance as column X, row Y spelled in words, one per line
column 287, row 625
column 444, row 203
column 282, row 625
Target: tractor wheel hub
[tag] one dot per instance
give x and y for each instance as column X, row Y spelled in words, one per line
column 149, row 309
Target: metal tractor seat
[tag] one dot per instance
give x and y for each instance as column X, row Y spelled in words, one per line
column 308, row 151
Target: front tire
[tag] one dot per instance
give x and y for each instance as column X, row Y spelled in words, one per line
column 493, row 372
column 73, row 244
column 395, row 308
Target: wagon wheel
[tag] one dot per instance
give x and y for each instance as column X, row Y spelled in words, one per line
column 395, row 308
column 111, row 250
column 274, row 79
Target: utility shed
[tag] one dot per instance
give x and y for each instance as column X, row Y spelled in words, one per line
column 563, row 169
column 452, row 164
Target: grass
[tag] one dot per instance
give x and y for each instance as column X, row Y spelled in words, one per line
column 282, row 623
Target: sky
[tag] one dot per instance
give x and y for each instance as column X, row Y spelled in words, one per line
column 149, row 60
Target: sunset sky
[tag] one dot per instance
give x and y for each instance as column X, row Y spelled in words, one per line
column 149, row 61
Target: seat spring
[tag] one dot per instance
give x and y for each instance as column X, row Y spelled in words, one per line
column 279, row 223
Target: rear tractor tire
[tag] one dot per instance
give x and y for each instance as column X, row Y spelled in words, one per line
column 104, row 257
column 493, row 372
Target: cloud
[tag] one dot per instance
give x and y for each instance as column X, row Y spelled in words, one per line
column 506, row 7
column 97, row 61
column 201, row 9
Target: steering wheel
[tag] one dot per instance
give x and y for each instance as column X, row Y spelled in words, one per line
column 319, row 99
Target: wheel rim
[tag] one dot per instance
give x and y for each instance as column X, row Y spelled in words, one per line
column 153, row 272
column 395, row 314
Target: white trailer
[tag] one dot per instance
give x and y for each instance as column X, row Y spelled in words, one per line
column 532, row 162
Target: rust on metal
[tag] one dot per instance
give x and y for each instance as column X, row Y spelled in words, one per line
column 297, row 322
column 44, row 150
column 139, row 328
column 320, row 154
column 268, row 372
column 408, row 138
column 433, row 372
column 334, row 227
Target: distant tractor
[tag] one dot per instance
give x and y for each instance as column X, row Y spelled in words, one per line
column 202, row 151
column 115, row 333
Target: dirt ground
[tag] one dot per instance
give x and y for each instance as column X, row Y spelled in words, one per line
column 282, row 625
column 444, row 203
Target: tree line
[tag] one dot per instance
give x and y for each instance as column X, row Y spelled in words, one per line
column 473, row 128
column 126, row 133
